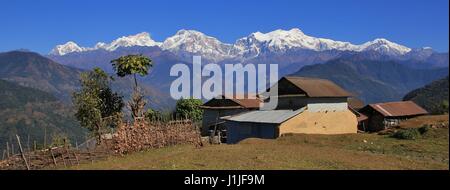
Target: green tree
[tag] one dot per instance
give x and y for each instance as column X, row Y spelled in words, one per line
column 132, row 65
column 189, row 108
column 152, row 114
column 95, row 103
column 444, row 107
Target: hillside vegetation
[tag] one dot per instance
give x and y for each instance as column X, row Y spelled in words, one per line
column 351, row 151
column 29, row 112
column 433, row 97
column 33, row 70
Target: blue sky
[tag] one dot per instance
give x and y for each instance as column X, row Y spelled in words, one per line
column 39, row 25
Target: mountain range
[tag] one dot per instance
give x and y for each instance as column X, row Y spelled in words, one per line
column 255, row 44
column 294, row 52
column 291, row 49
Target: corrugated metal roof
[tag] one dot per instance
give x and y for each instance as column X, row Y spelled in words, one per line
column 395, row 109
column 269, row 116
column 315, row 87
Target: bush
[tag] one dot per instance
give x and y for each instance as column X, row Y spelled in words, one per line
column 424, row 129
column 189, row 109
column 409, row 134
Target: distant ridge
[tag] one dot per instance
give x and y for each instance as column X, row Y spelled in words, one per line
column 433, row 97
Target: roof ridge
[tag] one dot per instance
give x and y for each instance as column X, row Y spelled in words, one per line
column 317, row 87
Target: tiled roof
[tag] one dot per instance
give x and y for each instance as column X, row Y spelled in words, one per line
column 314, row 87
column 394, row 109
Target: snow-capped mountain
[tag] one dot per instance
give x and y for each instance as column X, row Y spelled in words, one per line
column 66, row 48
column 141, row 39
column 420, row 53
column 194, row 42
column 191, row 42
column 281, row 40
column 384, row 46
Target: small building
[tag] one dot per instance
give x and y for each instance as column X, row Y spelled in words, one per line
column 305, row 105
column 274, row 123
column 222, row 106
column 384, row 115
column 318, row 94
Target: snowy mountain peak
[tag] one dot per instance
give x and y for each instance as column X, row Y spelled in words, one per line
column 384, row 46
column 195, row 42
column 281, row 40
column 66, row 48
column 186, row 32
column 100, row 45
column 140, row 39
column 277, row 35
column 296, row 30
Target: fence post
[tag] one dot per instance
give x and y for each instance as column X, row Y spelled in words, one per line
column 53, row 156
column 7, row 149
column 21, row 152
column 28, row 143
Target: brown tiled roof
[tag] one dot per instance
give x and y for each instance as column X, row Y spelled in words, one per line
column 395, row 109
column 355, row 103
column 246, row 101
column 314, row 87
column 249, row 102
column 361, row 117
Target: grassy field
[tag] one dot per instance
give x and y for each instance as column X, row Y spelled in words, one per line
column 352, row 151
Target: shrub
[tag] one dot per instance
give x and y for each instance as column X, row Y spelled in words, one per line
column 409, row 134
column 424, row 129
column 189, row 108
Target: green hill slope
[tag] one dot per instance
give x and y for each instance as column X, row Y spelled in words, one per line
column 433, row 97
column 33, row 70
column 34, row 115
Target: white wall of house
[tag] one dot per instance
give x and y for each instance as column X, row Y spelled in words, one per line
column 327, row 104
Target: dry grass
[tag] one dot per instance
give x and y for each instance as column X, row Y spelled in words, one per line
column 353, row 151
column 435, row 120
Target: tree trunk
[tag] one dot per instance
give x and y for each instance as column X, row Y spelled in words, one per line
column 135, row 81
column 98, row 134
